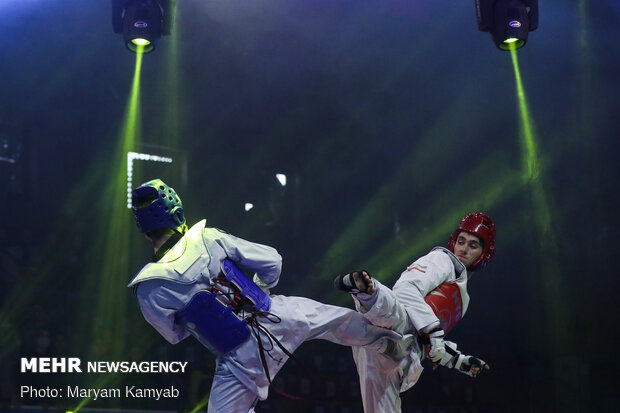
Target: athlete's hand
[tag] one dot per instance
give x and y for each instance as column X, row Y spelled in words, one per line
column 437, row 352
column 471, row 365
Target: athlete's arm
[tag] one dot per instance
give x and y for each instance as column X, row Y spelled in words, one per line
column 419, row 279
column 258, row 258
column 159, row 305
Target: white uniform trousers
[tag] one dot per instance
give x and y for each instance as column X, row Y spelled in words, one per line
column 240, row 379
column 381, row 378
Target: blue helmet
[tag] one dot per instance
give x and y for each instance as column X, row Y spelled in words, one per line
column 156, row 206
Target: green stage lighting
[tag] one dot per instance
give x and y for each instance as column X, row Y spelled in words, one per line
column 141, row 42
column 508, row 21
column 511, row 44
column 142, row 25
column 142, row 22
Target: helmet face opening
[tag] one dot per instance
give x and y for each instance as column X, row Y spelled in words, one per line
column 156, row 205
column 482, row 226
column 144, row 196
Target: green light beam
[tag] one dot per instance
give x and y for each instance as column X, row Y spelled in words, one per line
column 414, row 177
column 202, row 403
column 559, row 330
column 87, row 199
column 115, row 261
column 102, row 381
column 392, row 258
column 109, row 273
column 531, row 167
column 436, row 221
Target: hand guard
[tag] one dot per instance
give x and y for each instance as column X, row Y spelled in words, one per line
column 438, row 352
column 469, row 365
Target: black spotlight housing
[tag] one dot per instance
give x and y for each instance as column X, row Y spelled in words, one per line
column 508, row 21
column 142, row 22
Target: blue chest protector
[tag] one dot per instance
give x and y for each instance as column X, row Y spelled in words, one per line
column 218, row 319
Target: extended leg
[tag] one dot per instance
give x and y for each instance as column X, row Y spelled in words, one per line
column 382, row 309
column 340, row 325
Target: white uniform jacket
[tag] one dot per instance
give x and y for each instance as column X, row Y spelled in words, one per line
column 166, row 286
column 403, row 308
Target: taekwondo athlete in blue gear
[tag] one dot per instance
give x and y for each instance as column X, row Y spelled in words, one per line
column 193, row 283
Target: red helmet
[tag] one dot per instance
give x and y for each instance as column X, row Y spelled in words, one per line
column 482, row 226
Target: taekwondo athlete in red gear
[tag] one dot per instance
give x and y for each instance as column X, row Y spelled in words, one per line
column 426, row 302
column 188, row 289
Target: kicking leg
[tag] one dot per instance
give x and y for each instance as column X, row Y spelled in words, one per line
column 342, row 325
column 380, row 306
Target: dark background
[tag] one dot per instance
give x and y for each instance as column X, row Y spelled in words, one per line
column 391, row 119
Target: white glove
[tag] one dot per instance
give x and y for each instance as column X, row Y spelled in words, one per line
column 469, row 365
column 437, row 352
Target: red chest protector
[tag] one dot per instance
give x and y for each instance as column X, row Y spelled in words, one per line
column 447, row 305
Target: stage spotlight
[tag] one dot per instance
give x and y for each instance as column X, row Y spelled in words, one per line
column 142, row 22
column 508, row 21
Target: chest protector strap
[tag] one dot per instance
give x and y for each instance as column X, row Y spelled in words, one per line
column 447, row 305
column 219, row 321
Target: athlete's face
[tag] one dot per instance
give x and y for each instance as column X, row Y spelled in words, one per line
column 467, row 248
